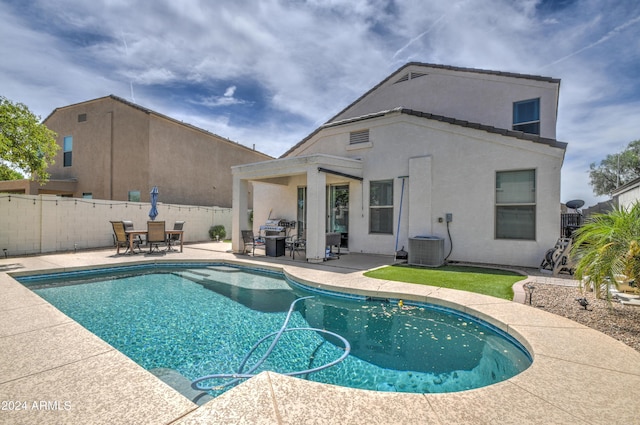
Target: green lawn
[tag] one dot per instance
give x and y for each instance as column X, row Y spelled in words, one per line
column 496, row 283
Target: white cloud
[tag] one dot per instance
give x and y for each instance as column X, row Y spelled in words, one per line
column 229, row 91
column 294, row 64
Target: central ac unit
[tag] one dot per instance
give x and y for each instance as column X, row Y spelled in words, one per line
column 426, row 251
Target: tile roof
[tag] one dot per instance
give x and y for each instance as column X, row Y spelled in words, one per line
column 449, row 68
column 453, row 121
column 152, row 112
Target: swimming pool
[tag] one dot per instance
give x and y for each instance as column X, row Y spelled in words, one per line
column 199, row 320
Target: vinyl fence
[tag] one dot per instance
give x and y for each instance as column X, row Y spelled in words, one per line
column 35, row 224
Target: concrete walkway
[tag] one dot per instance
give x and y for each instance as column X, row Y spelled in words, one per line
column 52, row 370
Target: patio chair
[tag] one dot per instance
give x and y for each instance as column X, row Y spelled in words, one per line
column 155, row 235
column 174, row 239
column 138, row 242
column 249, row 241
column 331, row 240
column 296, row 244
column 120, row 237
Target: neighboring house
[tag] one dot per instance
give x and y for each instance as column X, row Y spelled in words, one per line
column 627, row 194
column 116, row 150
column 464, row 155
column 603, row 207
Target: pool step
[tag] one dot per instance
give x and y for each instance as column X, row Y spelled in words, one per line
column 226, row 269
column 214, row 276
column 181, row 384
column 192, row 275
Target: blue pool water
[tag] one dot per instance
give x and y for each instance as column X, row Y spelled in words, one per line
column 200, row 321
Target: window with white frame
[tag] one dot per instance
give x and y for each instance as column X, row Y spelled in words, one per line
column 516, row 204
column 381, row 207
column 526, row 116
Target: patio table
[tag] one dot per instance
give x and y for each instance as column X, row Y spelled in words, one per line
column 131, row 235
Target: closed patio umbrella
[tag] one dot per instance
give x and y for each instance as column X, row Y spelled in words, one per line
column 153, row 212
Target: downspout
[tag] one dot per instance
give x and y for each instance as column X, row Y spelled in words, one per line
column 400, row 212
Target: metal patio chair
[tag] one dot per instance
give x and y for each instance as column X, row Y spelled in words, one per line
column 120, row 236
column 249, row 241
column 155, row 235
column 138, row 241
column 172, row 240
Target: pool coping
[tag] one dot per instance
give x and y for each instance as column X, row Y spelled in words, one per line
column 578, row 375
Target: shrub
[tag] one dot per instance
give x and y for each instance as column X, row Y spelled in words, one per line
column 607, row 249
column 217, row 232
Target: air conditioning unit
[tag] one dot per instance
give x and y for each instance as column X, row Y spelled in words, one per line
column 426, row 251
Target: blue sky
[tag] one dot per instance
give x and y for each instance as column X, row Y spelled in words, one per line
column 268, row 72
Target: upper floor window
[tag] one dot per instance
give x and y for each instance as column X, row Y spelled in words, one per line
column 526, row 116
column 381, row 206
column 134, row 196
column 516, row 204
column 67, row 150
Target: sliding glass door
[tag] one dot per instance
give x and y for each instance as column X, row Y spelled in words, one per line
column 338, row 211
column 301, row 215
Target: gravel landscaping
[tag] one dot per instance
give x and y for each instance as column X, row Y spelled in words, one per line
column 621, row 322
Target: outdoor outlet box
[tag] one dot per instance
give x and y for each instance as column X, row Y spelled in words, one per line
column 449, row 217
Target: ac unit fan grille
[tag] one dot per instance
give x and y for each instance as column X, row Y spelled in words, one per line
column 426, row 251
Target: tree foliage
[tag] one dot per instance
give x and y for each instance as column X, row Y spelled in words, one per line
column 616, row 170
column 25, row 143
column 607, row 249
column 7, row 173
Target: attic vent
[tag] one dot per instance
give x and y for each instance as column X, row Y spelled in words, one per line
column 82, row 117
column 410, row 76
column 405, row 77
column 356, row 137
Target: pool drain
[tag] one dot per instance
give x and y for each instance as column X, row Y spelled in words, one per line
column 241, row 374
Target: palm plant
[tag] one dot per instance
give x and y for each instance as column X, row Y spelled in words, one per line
column 607, row 247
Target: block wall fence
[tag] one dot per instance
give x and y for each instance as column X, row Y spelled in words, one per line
column 37, row 224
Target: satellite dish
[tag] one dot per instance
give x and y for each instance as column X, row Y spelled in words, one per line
column 575, row 204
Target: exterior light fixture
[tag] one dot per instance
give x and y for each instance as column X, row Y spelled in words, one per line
column 530, row 288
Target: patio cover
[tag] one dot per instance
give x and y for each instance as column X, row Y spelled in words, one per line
column 315, row 168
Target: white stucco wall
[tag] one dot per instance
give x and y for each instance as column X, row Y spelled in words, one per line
column 461, row 181
column 629, row 197
column 476, row 97
column 280, row 199
column 35, row 224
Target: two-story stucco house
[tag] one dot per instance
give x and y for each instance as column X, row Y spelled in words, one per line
column 465, row 156
column 114, row 149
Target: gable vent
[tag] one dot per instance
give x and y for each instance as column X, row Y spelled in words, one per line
column 410, row 76
column 405, row 77
column 356, row 137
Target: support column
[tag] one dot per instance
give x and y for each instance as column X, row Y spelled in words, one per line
column 316, row 215
column 240, row 204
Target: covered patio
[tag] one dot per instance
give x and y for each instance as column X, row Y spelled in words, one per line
column 280, row 181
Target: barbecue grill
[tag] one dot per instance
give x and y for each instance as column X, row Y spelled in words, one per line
column 275, row 226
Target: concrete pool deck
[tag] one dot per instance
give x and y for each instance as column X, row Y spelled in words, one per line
column 52, row 370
